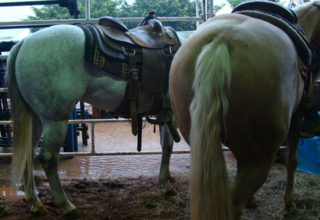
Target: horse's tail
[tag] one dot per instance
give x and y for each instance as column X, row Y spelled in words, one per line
column 209, row 188
column 22, row 124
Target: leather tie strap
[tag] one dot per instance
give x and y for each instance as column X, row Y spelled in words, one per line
column 133, row 92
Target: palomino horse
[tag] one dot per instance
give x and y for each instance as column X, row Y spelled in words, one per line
column 47, row 75
column 241, row 78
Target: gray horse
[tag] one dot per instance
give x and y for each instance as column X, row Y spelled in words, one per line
column 47, row 76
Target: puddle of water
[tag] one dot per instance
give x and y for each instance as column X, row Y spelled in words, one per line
column 96, row 167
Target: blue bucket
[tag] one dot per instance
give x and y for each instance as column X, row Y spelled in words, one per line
column 309, row 155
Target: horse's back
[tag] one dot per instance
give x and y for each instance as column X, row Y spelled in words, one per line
column 261, row 77
column 50, row 70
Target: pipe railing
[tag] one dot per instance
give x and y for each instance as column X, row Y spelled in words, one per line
column 88, row 19
column 72, row 5
column 43, row 23
column 93, row 152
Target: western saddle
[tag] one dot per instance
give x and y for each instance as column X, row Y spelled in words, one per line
column 140, row 56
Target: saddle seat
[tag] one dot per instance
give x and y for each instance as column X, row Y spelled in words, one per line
column 153, row 35
column 112, row 22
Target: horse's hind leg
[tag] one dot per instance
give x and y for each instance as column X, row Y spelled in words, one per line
column 29, row 183
column 291, row 163
column 54, row 133
column 252, row 173
column 166, row 141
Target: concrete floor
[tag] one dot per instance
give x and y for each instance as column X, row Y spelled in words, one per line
column 111, row 138
column 117, row 137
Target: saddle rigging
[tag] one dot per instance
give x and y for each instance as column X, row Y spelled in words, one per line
column 140, row 56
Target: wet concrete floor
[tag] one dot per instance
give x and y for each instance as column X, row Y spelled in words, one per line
column 117, row 137
column 111, row 138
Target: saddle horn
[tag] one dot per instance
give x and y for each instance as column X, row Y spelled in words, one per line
column 151, row 19
column 151, row 15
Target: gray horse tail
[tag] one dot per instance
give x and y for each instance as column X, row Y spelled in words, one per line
column 22, row 124
column 209, row 188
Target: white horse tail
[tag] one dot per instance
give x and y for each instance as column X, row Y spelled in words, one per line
column 22, row 124
column 209, row 188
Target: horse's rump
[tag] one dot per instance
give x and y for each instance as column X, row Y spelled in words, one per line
column 256, row 49
column 258, row 116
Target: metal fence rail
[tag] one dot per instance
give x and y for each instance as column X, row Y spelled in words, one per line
column 93, row 152
column 87, row 19
column 29, row 24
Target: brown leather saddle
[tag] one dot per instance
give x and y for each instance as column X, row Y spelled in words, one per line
column 141, row 56
column 147, row 36
column 149, row 48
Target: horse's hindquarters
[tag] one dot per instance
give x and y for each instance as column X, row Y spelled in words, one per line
column 50, row 72
column 261, row 78
column 265, row 89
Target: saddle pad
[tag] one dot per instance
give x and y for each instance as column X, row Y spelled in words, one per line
column 102, row 55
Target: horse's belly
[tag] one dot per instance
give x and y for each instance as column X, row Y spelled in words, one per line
column 105, row 92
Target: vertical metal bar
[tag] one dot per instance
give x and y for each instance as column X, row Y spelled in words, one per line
column 213, row 9
column 197, row 13
column 204, row 9
column 88, row 16
column 93, row 147
column 210, row 8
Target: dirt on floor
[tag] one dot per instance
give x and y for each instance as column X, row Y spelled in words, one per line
column 142, row 198
column 125, row 198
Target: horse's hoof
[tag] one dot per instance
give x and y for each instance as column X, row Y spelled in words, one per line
column 252, row 203
column 73, row 214
column 290, row 208
column 4, row 211
column 38, row 209
column 169, row 190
